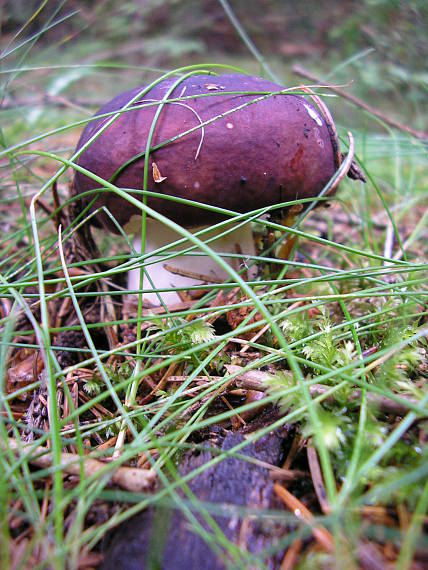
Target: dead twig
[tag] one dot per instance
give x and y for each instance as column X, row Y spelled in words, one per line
column 46, row 100
column 128, row 478
column 167, row 377
column 192, row 274
column 302, row 72
column 257, row 380
column 321, row 534
column 295, row 449
column 317, row 479
column 292, row 555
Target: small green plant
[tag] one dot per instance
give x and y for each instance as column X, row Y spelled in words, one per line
column 397, row 372
column 316, row 339
column 116, row 373
column 179, row 334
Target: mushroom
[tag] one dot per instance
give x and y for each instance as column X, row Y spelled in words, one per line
column 234, row 142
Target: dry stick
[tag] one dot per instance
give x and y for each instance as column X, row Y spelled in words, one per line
column 183, row 306
column 261, row 381
column 255, row 338
column 161, row 384
column 294, row 450
column 128, row 478
column 196, row 379
column 191, row 274
column 234, row 418
column 50, row 101
column 292, row 555
column 321, row 534
column 58, row 215
column 108, row 315
column 47, row 208
column 302, row 72
column 317, row 479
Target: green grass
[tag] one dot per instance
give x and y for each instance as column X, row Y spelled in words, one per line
column 347, row 312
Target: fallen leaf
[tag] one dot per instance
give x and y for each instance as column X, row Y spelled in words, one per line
column 213, row 87
column 157, row 176
column 24, row 371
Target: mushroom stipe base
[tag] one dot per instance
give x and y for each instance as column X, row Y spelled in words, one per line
column 171, row 270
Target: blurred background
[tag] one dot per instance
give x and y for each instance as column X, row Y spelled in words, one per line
column 377, row 49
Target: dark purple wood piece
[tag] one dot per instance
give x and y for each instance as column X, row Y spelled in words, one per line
column 164, row 539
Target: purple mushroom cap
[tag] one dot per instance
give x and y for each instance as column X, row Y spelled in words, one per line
column 276, row 149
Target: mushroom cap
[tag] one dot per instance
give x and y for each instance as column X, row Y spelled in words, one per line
column 278, row 148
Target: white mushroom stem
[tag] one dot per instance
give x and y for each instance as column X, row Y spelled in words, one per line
column 184, row 271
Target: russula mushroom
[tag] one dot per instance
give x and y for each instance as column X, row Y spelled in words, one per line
column 231, row 145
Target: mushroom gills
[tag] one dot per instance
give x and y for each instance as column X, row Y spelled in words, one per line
column 168, row 270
